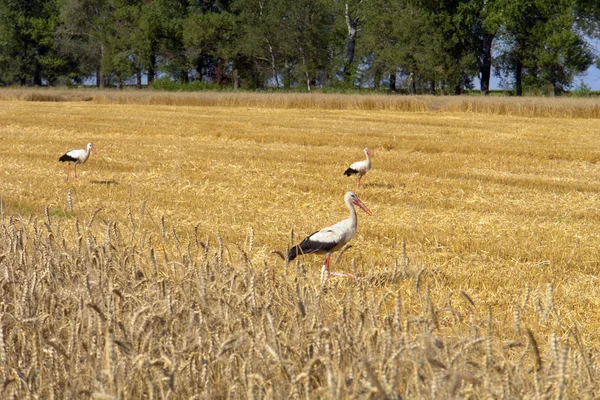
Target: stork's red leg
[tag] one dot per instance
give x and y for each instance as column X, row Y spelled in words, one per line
column 75, row 166
column 326, row 268
column 342, row 274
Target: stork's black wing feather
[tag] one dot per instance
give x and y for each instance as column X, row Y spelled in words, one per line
column 308, row 246
column 350, row 171
column 67, row 158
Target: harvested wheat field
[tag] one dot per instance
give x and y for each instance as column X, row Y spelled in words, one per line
column 156, row 273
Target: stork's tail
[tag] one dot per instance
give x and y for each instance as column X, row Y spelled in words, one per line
column 66, row 157
column 350, row 171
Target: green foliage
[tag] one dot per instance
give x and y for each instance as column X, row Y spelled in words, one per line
column 439, row 47
column 208, row 34
column 27, row 47
column 543, row 45
column 583, row 90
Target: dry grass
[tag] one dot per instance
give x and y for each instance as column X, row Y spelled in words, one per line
column 152, row 276
column 524, row 106
column 115, row 315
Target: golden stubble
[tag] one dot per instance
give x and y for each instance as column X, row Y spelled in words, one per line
column 502, row 189
column 489, row 206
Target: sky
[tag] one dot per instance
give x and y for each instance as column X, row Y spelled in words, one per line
column 591, row 78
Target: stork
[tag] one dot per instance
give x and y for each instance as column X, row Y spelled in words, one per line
column 76, row 157
column 332, row 238
column 360, row 168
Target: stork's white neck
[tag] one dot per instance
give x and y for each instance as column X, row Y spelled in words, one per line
column 352, row 216
column 87, row 153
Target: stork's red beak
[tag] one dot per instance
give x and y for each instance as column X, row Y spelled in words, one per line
column 362, row 206
column 94, row 150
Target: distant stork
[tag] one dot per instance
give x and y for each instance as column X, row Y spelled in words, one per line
column 76, row 157
column 332, row 238
column 360, row 168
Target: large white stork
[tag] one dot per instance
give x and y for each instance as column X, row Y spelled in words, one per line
column 76, row 157
column 360, row 167
column 332, row 238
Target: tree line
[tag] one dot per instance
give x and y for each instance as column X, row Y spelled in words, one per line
column 432, row 46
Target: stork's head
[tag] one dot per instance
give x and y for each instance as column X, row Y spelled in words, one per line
column 352, row 198
column 368, row 152
column 90, row 146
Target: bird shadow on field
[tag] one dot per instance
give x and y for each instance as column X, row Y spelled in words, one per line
column 383, row 275
column 384, row 185
column 107, row 182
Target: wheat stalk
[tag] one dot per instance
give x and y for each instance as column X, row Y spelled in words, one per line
column 562, row 372
column 3, row 359
column 70, row 200
column 91, row 221
column 194, row 331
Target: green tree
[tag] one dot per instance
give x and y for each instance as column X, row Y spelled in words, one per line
column 381, row 45
column 27, row 47
column 402, row 36
column 259, row 49
column 542, row 45
column 310, row 41
column 87, row 32
column 352, row 18
column 479, row 21
column 207, row 38
column 168, row 19
column 562, row 53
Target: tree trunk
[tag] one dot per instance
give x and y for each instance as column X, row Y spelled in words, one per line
column 519, row 78
column 458, row 88
column 351, row 23
column 100, row 73
column 273, row 64
column 412, row 83
column 306, row 75
column 486, row 63
column 432, row 87
column 100, row 79
column 37, row 77
column 287, row 81
column 138, row 75
column 377, row 79
column 199, row 68
column 236, row 79
column 556, row 89
column 152, row 69
column 393, row 81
